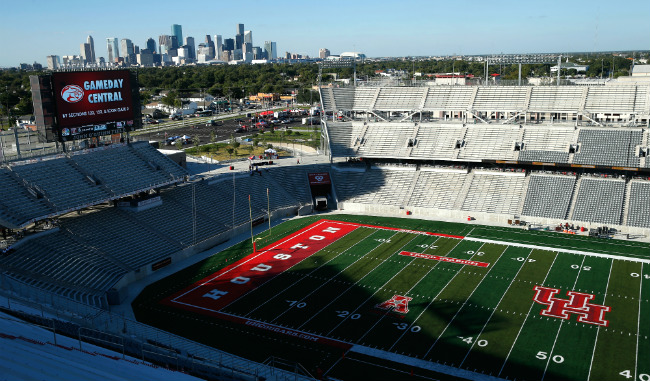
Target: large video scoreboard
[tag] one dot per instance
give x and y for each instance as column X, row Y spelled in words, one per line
column 83, row 104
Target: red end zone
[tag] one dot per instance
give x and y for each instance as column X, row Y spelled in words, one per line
column 216, row 291
column 213, row 293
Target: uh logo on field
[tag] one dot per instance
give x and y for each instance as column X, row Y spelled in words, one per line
column 397, row 303
column 576, row 304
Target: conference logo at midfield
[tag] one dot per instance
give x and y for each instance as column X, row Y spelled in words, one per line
column 72, row 93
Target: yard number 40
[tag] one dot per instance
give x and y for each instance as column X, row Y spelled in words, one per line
column 642, row 376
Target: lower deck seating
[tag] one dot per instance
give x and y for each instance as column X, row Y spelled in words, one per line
column 639, row 204
column 599, row 200
column 494, row 193
column 437, row 189
column 549, row 196
column 386, row 187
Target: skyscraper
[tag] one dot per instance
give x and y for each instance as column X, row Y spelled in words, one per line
column 271, row 50
column 218, row 45
column 151, row 45
column 91, row 42
column 177, row 31
column 229, row 44
column 128, row 51
column 53, row 62
column 167, row 44
column 85, row 53
column 113, row 50
column 239, row 37
column 323, row 53
column 248, row 37
column 191, row 47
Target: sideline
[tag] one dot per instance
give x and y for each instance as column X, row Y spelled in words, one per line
column 555, row 249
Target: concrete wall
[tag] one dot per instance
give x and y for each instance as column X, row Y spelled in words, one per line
column 481, row 218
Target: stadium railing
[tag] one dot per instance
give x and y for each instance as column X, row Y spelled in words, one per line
column 153, row 344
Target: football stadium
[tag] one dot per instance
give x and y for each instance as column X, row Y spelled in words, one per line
column 439, row 233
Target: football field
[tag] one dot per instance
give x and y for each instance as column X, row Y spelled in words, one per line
column 468, row 307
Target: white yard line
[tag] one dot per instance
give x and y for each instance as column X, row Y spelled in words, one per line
column 407, row 292
column 465, row 302
column 525, row 320
column 305, row 276
column 378, row 288
column 341, row 294
column 550, row 353
column 563, row 237
column 609, row 256
column 334, row 277
column 431, row 302
column 495, row 308
column 638, row 324
column 591, row 363
column 248, row 259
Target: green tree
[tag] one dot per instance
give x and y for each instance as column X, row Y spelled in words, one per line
column 171, row 99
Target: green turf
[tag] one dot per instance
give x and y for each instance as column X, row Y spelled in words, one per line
column 475, row 318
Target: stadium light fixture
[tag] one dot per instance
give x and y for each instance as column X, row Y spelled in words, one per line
column 519, row 59
column 336, row 64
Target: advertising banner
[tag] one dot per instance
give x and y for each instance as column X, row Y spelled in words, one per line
column 320, row 178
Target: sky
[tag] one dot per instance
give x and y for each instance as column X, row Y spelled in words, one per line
column 34, row 29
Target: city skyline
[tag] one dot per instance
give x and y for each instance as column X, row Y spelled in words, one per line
column 378, row 29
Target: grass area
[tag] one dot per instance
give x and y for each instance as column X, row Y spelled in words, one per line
column 226, row 151
column 481, row 319
column 288, row 137
column 258, row 144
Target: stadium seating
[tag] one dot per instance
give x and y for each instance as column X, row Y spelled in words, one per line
column 444, row 98
column 59, row 263
column 55, row 185
column 547, row 144
column 398, row 99
column 437, row 141
column 17, row 204
column 611, row 100
column 384, row 187
column 599, row 200
column 608, row 147
column 438, row 189
column 342, row 138
column 638, row 208
column 495, row 193
column 294, row 180
column 63, row 185
column 500, row 98
column 346, row 181
column 386, row 140
column 490, row 142
column 606, row 98
column 561, row 99
column 534, row 143
column 549, row 196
